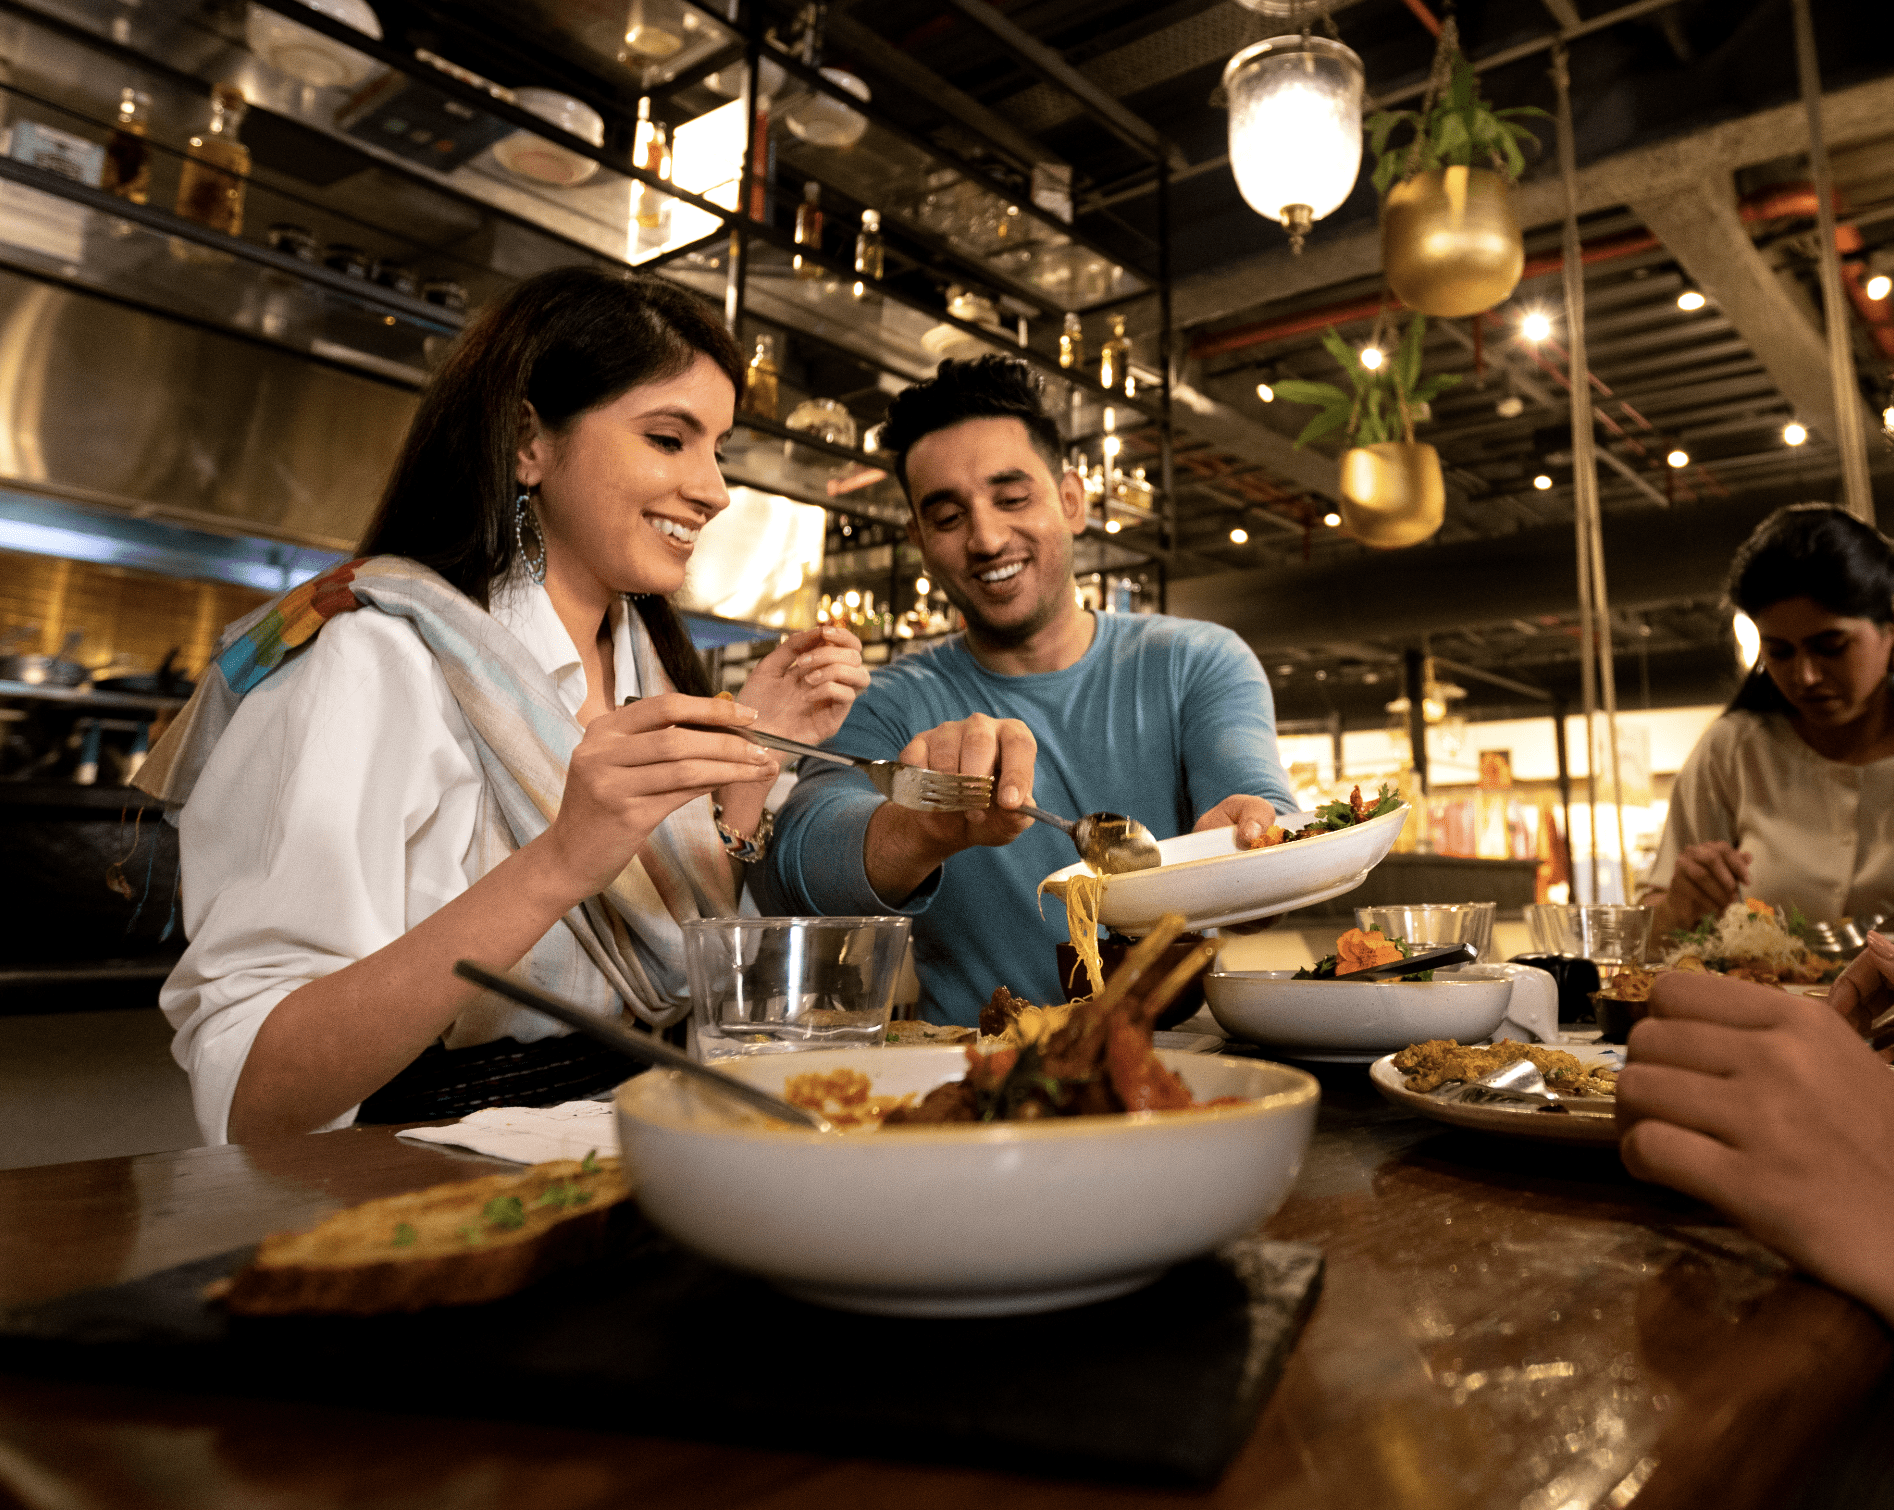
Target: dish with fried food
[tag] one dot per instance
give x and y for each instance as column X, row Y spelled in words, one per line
column 1585, row 1120
column 1428, row 1066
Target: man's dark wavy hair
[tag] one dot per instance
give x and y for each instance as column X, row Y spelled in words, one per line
column 1809, row 550
column 988, row 388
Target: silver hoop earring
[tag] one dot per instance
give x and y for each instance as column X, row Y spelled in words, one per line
column 523, row 521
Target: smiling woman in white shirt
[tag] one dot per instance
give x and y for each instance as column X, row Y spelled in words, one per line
column 454, row 771
column 1789, row 796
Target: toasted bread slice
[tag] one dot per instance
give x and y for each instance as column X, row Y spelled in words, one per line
column 913, row 1031
column 449, row 1245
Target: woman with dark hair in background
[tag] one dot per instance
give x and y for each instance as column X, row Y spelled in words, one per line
column 1789, row 796
column 486, row 764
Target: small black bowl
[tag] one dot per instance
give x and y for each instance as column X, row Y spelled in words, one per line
column 1577, row 977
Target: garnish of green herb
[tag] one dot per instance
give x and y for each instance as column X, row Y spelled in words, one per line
column 589, row 1164
column 556, row 1195
column 507, row 1212
column 404, row 1236
column 473, row 1236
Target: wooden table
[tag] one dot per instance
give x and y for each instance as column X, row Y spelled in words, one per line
column 1503, row 1324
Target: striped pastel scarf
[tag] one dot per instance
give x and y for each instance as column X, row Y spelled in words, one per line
column 623, row 946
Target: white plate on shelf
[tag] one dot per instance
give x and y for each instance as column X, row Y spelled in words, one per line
column 1212, row 882
column 1595, row 1125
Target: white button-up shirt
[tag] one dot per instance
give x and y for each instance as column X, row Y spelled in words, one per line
column 337, row 811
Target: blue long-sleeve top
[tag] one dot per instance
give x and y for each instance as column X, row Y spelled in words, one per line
column 1161, row 718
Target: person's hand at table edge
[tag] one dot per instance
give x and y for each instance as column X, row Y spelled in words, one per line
column 1771, row 1109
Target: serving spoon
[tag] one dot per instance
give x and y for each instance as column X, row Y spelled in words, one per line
column 1110, row 843
column 639, row 1046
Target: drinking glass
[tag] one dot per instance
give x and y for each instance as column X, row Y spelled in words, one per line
column 774, row 985
column 1609, row 936
column 1433, row 925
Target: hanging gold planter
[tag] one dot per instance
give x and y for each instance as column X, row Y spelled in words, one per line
column 1450, row 242
column 1392, row 493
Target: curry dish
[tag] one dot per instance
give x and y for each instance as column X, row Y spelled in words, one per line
column 1439, row 1061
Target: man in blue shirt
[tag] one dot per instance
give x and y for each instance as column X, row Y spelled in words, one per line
column 1168, row 720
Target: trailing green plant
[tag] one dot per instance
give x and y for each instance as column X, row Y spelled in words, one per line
column 1453, row 128
column 1381, row 403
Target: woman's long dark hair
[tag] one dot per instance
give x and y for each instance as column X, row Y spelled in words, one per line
column 565, row 342
column 1816, row 551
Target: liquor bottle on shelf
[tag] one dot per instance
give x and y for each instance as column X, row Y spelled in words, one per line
column 809, row 229
column 650, row 150
column 1114, row 358
column 128, row 153
column 759, row 383
column 210, row 189
column 870, row 255
column 1072, row 342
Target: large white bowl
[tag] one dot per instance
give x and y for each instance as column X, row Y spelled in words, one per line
column 962, row 1220
column 1212, row 882
column 1363, row 1017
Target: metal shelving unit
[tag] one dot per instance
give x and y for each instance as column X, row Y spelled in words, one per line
column 946, row 221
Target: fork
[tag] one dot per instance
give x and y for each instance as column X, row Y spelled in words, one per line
column 908, row 786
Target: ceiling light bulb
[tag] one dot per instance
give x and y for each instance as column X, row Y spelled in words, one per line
column 1794, row 434
column 923, row 586
column 1239, row 536
column 1543, row 483
column 1371, row 358
column 1112, row 526
column 1295, row 128
column 1266, row 393
column 1880, row 286
column 1536, row 326
column 1333, row 521
column 1748, row 640
column 1111, row 445
column 1510, row 407
column 852, row 598
column 1679, row 459
column 1887, row 418
column 1690, row 300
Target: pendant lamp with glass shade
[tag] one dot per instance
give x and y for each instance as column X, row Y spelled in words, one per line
column 1295, row 128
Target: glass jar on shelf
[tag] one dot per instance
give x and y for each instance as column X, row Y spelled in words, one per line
column 1072, row 342
column 809, row 231
column 651, row 208
column 1114, row 359
column 760, row 381
column 211, row 187
column 128, row 153
column 870, row 254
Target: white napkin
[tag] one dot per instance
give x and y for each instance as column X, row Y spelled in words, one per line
column 529, row 1134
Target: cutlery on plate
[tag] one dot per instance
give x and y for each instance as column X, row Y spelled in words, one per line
column 642, row 1047
column 908, row 786
column 1433, row 959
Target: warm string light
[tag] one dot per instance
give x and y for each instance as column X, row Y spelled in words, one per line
column 1371, row 358
column 1678, row 459
column 1690, row 301
column 1543, row 483
column 1266, row 393
column 1333, row 521
column 1794, row 434
column 1239, row 536
column 1536, row 326
column 1879, row 287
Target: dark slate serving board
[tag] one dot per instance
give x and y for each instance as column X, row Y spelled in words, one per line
column 1162, row 1385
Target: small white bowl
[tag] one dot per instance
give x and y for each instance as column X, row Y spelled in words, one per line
column 306, row 54
column 1212, row 882
column 542, row 161
column 962, row 1220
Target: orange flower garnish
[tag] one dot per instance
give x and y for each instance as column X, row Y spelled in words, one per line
column 1758, row 908
column 1356, row 950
